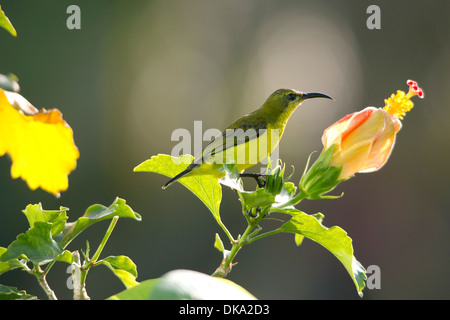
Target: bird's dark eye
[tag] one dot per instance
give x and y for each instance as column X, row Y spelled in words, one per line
column 291, row 96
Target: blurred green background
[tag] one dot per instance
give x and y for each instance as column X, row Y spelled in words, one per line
column 137, row 70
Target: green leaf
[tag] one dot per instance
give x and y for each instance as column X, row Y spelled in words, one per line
column 334, row 239
column 298, row 238
column 36, row 245
column 66, row 256
column 6, row 24
column 185, row 285
column 140, row 291
column 94, row 214
column 123, row 267
column 205, row 187
column 8, row 264
column 259, row 198
column 56, row 217
column 11, row 293
column 218, row 244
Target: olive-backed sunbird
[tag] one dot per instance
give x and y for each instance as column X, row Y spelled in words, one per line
column 249, row 139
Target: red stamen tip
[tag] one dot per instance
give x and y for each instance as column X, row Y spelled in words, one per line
column 414, row 87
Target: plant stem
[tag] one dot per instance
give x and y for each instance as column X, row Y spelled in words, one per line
column 294, row 200
column 43, row 283
column 79, row 273
column 40, row 276
column 225, row 267
column 79, row 278
column 238, row 245
column 270, row 233
column 47, row 269
column 224, row 228
column 103, row 243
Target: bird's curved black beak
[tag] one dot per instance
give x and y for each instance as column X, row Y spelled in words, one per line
column 315, row 95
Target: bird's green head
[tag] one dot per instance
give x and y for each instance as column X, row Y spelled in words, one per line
column 284, row 101
column 288, row 99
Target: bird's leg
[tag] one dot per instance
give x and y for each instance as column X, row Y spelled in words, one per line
column 258, row 177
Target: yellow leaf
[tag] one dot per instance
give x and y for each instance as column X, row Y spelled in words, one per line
column 40, row 143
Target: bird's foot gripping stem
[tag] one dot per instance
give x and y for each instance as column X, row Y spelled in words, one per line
column 258, row 177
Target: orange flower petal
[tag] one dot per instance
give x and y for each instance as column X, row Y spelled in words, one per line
column 363, row 140
column 382, row 146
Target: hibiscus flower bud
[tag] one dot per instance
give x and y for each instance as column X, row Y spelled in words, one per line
column 359, row 142
column 364, row 140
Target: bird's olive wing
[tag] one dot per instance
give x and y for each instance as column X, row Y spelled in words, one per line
column 230, row 138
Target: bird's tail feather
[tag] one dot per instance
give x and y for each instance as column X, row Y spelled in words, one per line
column 178, row 176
